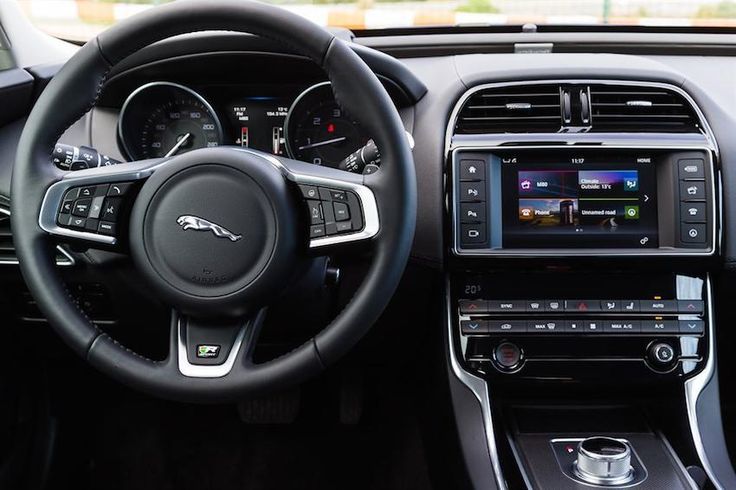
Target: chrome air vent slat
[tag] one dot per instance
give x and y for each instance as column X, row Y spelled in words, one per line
column 517, row 109
column 640, row 109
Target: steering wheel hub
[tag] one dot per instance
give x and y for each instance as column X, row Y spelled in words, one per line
column 214, row 235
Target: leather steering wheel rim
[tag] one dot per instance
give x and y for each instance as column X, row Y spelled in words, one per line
column 76, row 89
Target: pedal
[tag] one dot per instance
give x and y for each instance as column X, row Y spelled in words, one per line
column 281, row 408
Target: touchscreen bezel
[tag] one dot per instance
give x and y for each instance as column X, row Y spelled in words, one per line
column 668, row 223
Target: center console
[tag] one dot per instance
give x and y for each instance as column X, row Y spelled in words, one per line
column 579, row 296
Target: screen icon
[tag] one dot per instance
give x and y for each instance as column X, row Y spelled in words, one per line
column 631, row 212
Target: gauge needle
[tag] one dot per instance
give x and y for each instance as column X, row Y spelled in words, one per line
column 323, row 143
column 178, row 145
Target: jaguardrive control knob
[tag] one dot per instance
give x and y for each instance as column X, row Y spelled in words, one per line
column 604, row 461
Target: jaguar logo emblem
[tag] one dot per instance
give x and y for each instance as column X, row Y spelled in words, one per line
column 189, row 222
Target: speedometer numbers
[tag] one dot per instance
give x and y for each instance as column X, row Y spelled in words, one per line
column 164, row 119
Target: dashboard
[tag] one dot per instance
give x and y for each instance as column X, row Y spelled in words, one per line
column 165, row 118
column 280, row 105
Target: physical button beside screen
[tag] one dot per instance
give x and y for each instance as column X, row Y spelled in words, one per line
column 692, row 190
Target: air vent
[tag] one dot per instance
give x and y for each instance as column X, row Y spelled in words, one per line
column 513, row 109
column 622, row 108
column 7, row 249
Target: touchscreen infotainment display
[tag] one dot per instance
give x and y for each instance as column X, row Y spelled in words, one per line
column 582, row 202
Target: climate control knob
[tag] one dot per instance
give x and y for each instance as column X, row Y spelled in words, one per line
column 604, row 461
column 661, row 356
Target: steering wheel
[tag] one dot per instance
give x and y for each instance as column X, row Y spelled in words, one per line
column 215, row 232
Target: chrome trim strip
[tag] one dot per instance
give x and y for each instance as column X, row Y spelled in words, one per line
column 695, row 385
column 456, row 250
column 210, row 371
column 479, row 387
column 708, row 133
column 207, row 105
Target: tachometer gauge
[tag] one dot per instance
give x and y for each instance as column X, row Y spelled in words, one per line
column 317, row 129
column 165, row 119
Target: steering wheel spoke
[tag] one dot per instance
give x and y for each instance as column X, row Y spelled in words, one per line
column 340, row 207
column 213, row 348
column 91, row 205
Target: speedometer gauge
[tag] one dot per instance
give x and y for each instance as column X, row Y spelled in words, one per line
column 318, row 131
column 164, row 119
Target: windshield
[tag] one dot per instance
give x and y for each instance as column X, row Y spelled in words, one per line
column 80, row 20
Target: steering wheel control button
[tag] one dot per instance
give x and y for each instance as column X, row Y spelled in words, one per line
column 695, row 327
column 76, row 222
column 106, row 228
column 119, row 189
column 309, row 191
column 507, row 356
column 81, row 207
column 316, row 231
column 87, row 191
column 342, row 213
column 315, row 212
column 66, row 207
column 95, row 208
column 111, row 209
column 338, row 210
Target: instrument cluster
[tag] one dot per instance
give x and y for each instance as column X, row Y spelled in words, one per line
column 162, row 118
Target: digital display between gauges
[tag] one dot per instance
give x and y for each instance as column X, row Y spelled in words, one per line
column 318, row 131
column 259, row 123
column 165, row 119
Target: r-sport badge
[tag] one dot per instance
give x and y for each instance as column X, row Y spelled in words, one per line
column 188, row 222
column 208, row 351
